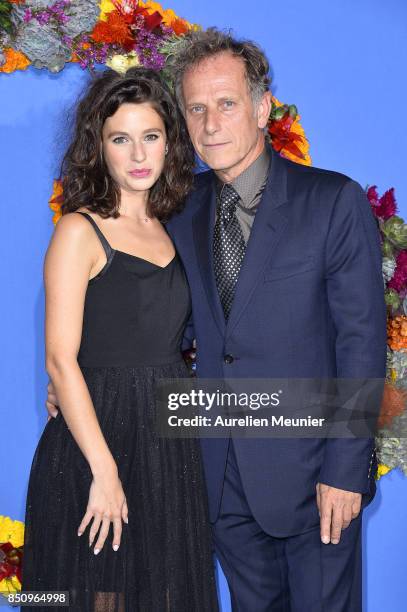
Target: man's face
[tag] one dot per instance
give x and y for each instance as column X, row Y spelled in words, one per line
column 224, row 126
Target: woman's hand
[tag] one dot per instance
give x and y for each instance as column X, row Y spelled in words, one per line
column 107, row 504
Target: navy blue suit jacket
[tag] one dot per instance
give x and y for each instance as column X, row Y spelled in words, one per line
column 309, row 303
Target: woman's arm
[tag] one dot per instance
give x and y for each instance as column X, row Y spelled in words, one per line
column 70, row 259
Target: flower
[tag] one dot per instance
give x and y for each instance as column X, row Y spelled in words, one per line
column 83, row 15
column 287, row 135
column 395, row 230
column 397, row 333
column 11, row 531
column 392, row 299
column 114, row 30
column 399, row 280
column 121, row 63
column 147, row 50
column 384, row 207
column 382, row 470
column 42, row 45
column 393, row 404
column 106, row 7
column 388, row 268
column 11, row 554
column 56, row 201
column 179, row 26
column 14, row 60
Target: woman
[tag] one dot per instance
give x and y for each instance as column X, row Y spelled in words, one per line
column 116, row 515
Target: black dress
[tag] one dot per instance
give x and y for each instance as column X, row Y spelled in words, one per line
column 134, row 316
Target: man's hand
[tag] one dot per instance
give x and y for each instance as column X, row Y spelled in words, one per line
column 336, row 510
column 51, row 401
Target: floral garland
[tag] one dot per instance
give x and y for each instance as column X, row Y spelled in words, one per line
column 391, row 440
column 125, row 33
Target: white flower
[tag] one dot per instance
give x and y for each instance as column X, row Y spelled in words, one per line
column 121, row 63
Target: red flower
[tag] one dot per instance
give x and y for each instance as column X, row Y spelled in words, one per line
column 373, row 196
column 384, row 207
column 399, row 280
column 10, row 561
column 283, row 139
column 387, row 205
column 114, row 30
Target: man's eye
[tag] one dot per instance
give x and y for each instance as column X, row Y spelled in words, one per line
column 228, row 104
column 119, row 139
column 151, row 137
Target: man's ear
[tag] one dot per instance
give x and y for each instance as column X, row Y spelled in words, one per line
column 264, row 110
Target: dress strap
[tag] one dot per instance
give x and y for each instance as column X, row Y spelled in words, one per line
column 106, row 246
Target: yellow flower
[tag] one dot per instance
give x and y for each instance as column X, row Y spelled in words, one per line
column 106, row 6
column 121, row 63
column 10, row 585
column 11, row 531
column 382, row 470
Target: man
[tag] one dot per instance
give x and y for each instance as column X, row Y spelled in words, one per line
column 284, row 266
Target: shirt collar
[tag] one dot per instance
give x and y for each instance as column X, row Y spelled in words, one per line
column 252, row 180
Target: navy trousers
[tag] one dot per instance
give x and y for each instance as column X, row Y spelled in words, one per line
column 294, row 574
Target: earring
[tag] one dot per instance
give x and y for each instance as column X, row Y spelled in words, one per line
column 166, row 149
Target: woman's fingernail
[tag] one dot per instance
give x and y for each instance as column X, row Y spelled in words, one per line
column 80, row 533
column 96, row 551
column 126, row 520
column 116, row 547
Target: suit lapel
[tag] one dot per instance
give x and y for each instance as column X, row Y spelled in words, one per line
column 268, row 227
column 203, row 223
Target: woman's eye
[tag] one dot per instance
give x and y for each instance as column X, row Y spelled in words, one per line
column 151, row 137
column 119, row 139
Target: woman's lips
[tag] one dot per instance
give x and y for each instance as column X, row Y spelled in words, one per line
column 143, row 173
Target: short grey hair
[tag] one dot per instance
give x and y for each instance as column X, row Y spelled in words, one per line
column 198, row 45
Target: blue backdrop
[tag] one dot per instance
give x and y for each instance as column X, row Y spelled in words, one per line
column 343, row 63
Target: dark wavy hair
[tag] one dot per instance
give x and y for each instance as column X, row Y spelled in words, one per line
column 84, row 174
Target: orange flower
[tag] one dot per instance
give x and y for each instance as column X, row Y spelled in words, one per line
column 56, row 201
column 15, row 60
column 114, row 30
column 397, row 333
column 180, row 26
column 393, row 404
column 170, row 18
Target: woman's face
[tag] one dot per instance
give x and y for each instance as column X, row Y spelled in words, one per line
column 134, row 141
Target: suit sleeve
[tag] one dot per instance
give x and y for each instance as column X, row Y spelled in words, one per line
column 355, row 293
column 189, row 335
column 189, row 331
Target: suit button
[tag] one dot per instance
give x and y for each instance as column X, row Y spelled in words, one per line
column 228, row 359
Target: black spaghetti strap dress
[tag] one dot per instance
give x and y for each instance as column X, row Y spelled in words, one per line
column 134, row 317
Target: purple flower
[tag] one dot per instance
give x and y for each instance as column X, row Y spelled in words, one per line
column 67, row 40
column 27, row 15
column 43, row 17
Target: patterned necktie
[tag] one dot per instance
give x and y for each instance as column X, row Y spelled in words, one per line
column 228, row 247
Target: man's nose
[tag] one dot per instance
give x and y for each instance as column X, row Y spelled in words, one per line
column 211, row 121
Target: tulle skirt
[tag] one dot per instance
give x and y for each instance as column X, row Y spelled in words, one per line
column 165, row 562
